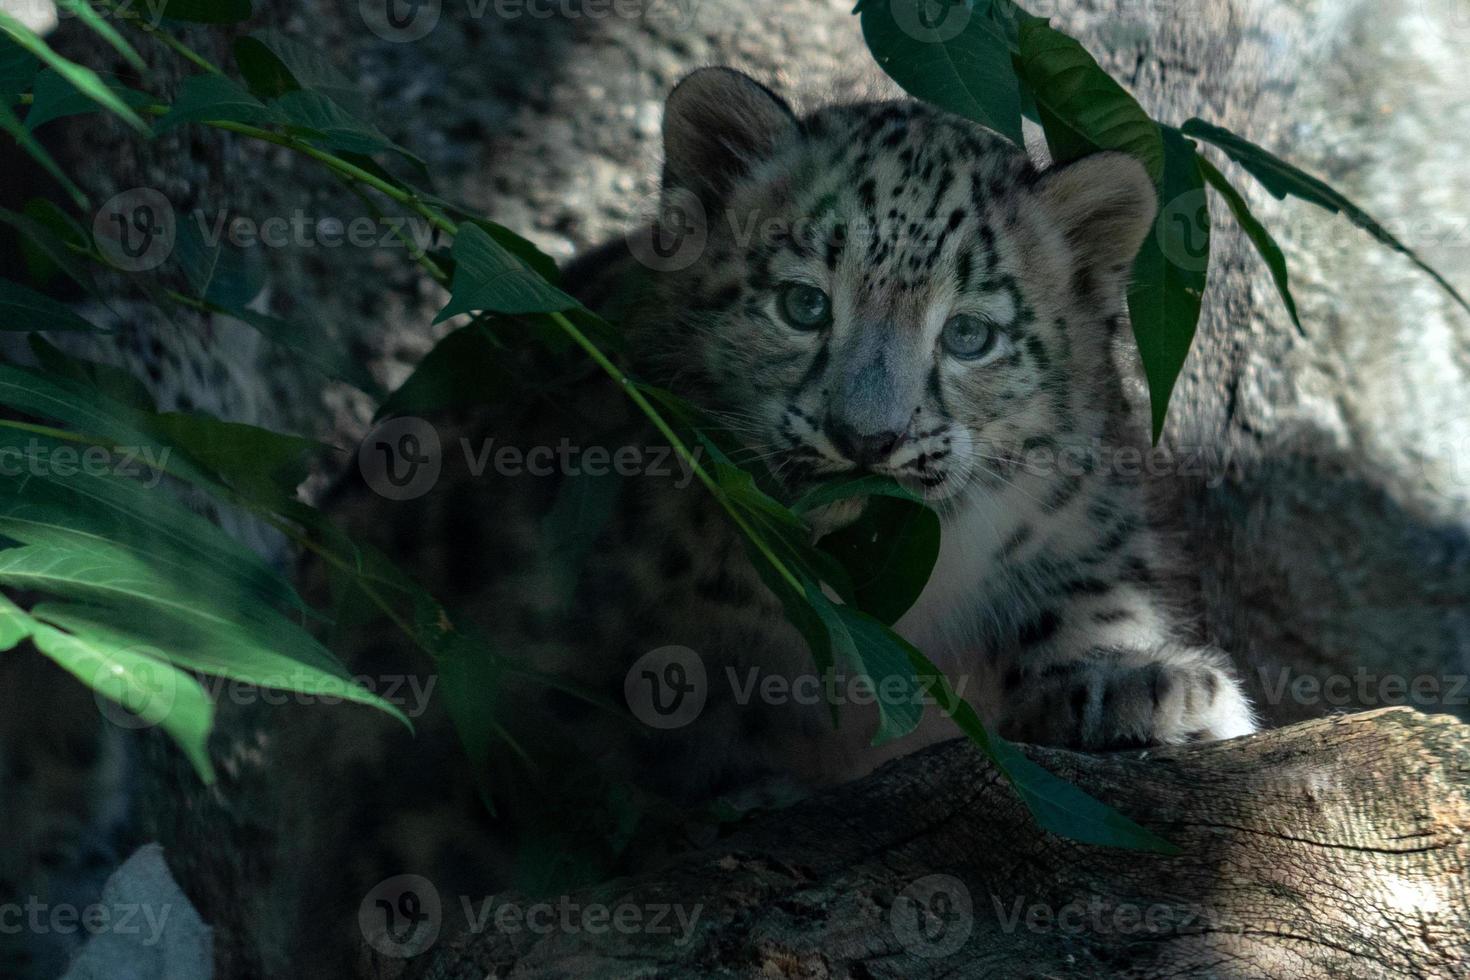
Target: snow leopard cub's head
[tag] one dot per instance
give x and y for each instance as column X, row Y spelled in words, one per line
column 884, row 286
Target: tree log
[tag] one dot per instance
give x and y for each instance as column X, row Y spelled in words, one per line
column 1334, row 847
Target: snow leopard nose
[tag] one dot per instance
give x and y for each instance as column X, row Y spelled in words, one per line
column 864, row 449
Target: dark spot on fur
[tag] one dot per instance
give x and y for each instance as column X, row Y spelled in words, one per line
column 1086, row 586
column 1135, row 569
column 1040, row 629
column 1014, row 543
column 1037, row 350
column 1062, row 494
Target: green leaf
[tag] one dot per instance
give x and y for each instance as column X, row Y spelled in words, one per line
column 81, row 78
column 961, row 63
column 307, row 67
column 1281, row 179
column 227, row 454
column 797, row 607
column 889, row 552
column 110, row 381
column 49, row 230
column 83, row 408
column 876, row 654
column 1057, row 805
column 468, row 368
column 258, row 462
column 1082, row 109
column 866, row 485
column 12, row 125
column 217, row 272
column 282, row 660
column 541, row 263
column 739, row 486
column 465, row 368
column 207, row 11
column 15, row 624
column 770, row 523
column 264, row 73
column 146, row 686
column 56, row 98
column 313, row 116
column 328, row 123
column 246, row 642
column 1257, row 233
column 1067, row 811
column 314, row 347
column 777, row 526
column 62, row 225
column 1169, row 276
column 210, row 98
column 22, row 308
column 83, row 11
column 53, row 493
column 490, row 278
column 17, row 67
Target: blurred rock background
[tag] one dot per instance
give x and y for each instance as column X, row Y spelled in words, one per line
column 1335, row 539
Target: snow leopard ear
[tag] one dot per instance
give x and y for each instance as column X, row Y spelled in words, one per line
column 1105, row 205
column 717, row 122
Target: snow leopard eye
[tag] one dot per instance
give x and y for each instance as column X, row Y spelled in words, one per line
column 804, row 307
column 969, row 337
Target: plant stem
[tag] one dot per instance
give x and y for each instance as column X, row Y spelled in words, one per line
column 163, row 37
column 340, row 166
column 631, row 390
column 418, row 254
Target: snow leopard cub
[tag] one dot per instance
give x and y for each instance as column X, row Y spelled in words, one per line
column 892, row 288
column 878, row 286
